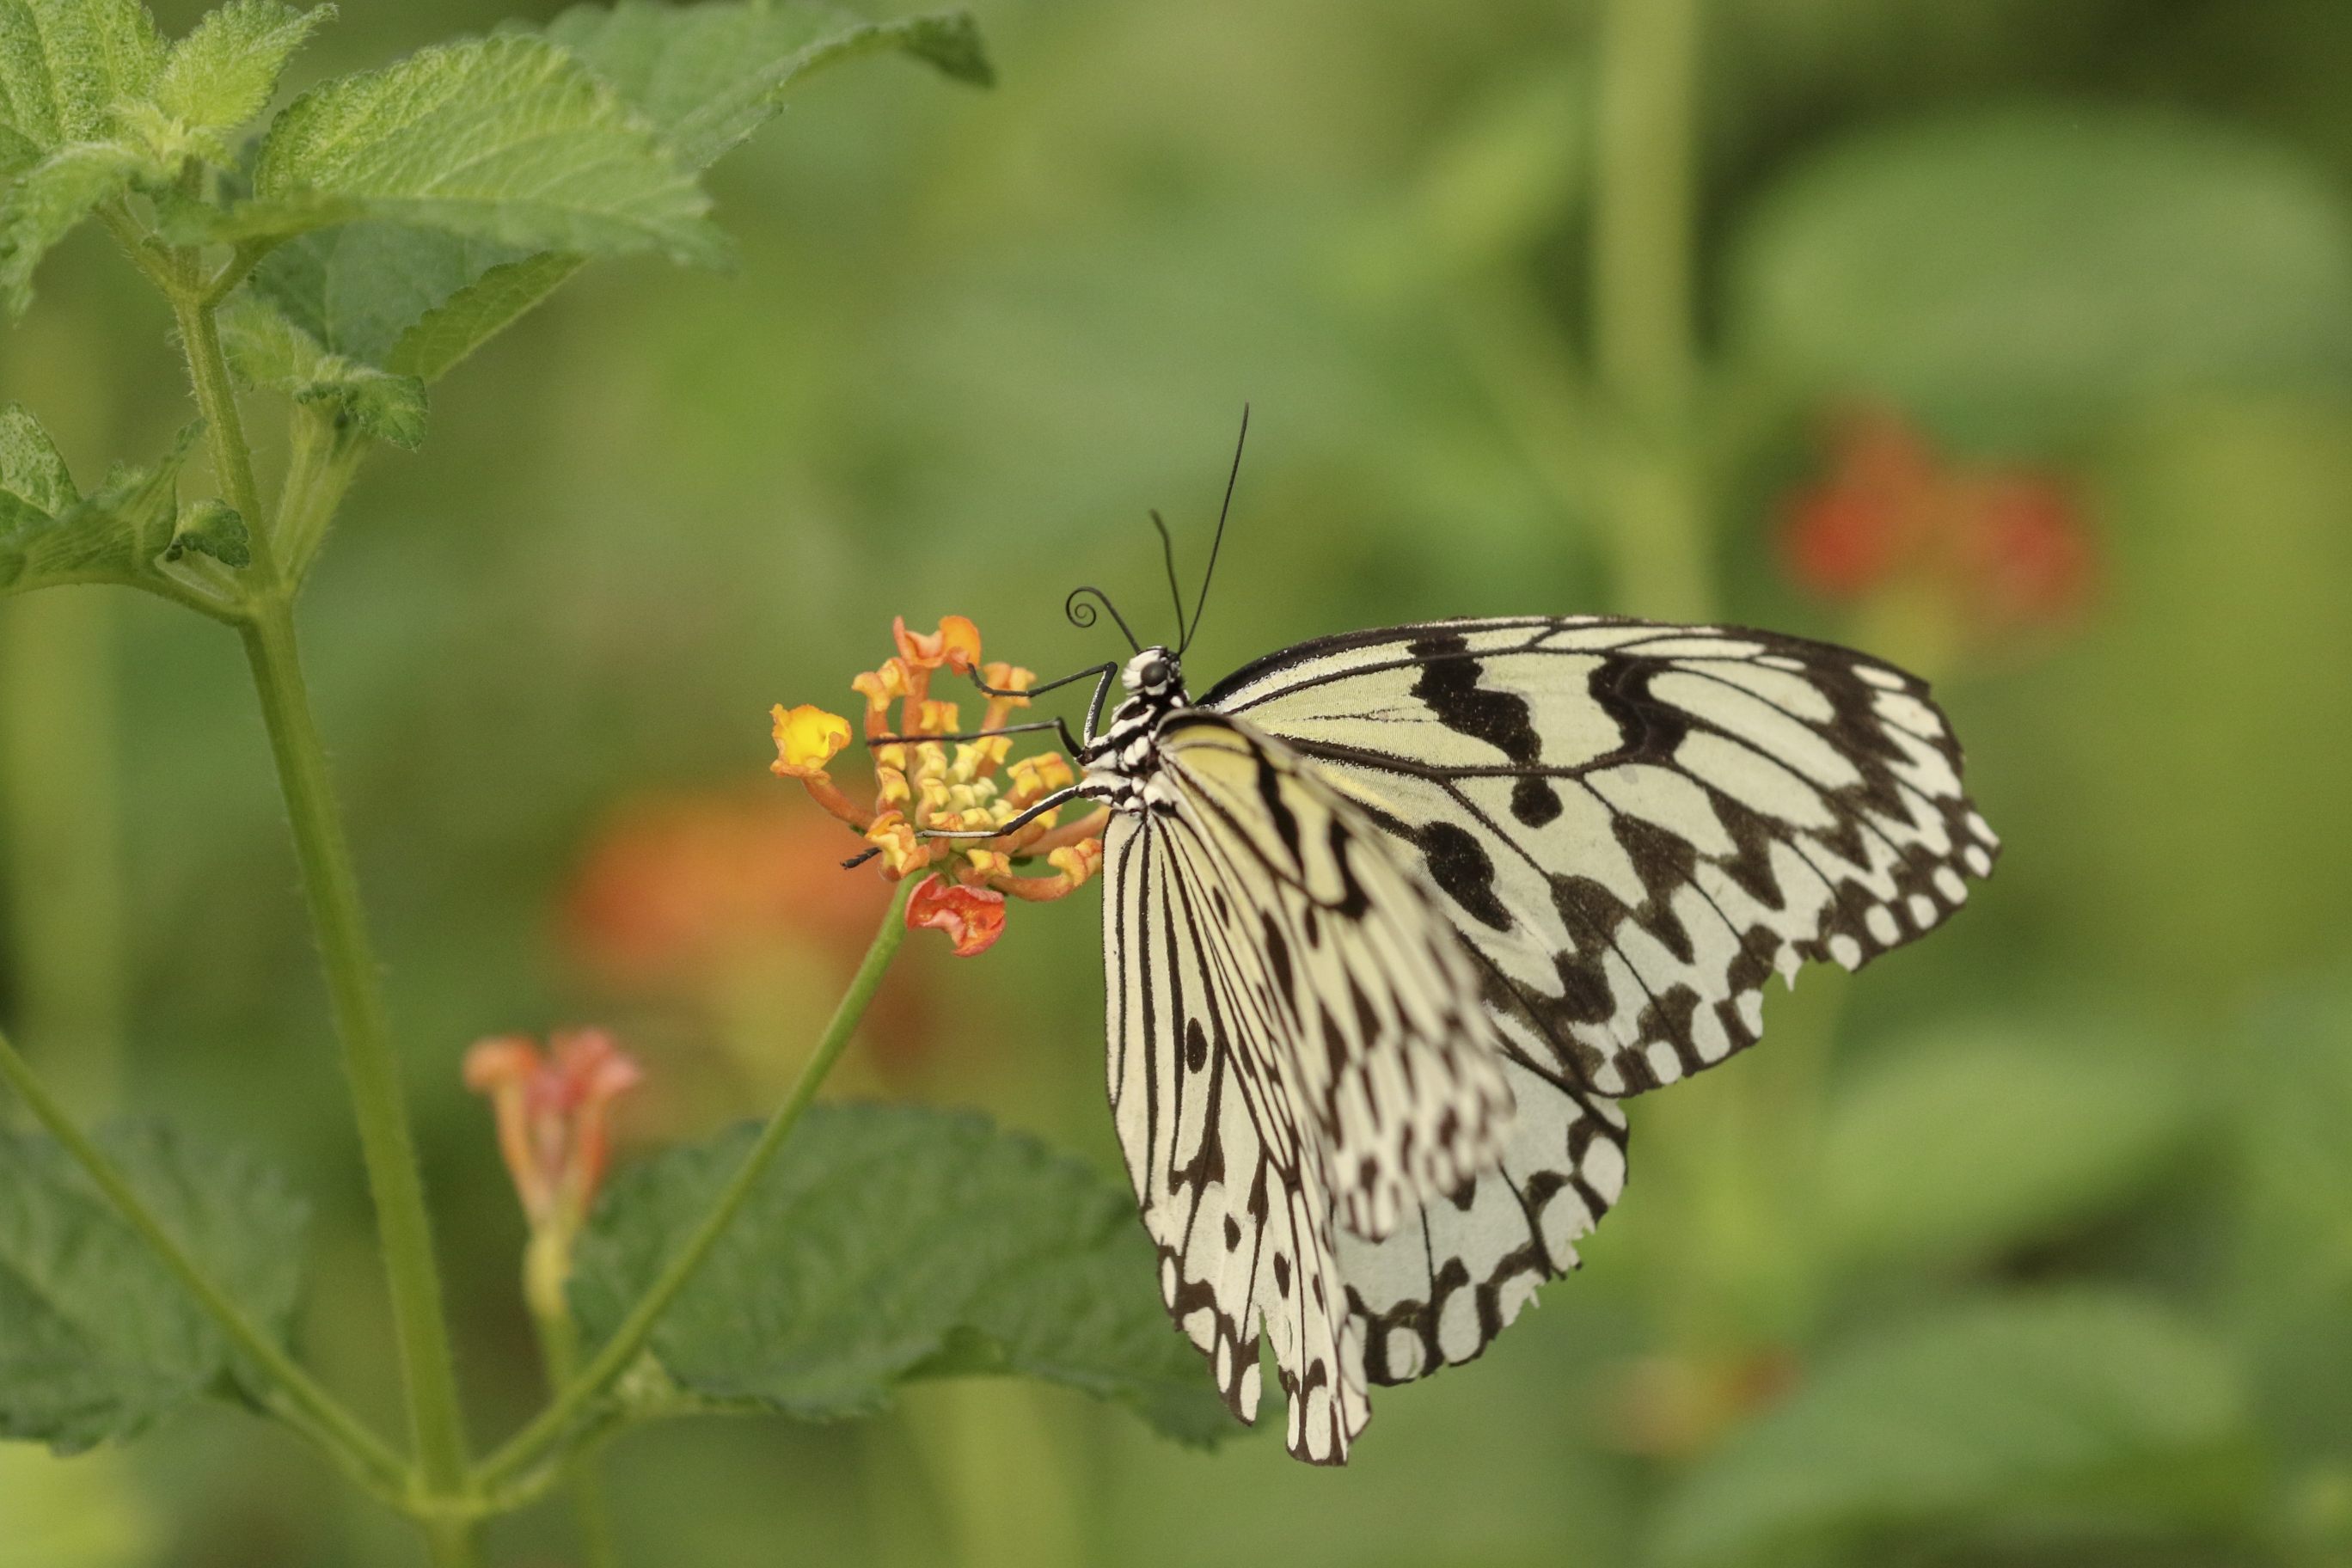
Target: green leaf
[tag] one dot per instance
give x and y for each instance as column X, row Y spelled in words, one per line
column 266, row 349
column 1976, row 1138
column 506, row 140
column 2022, row 270
column 458, row 326
column 97, row 1339
column 34, row 484
column 359, row 288
column 711, row 75
column 2003, row 1408
column 222, row 73
column 417, row 301
column 66, row 65
column 46, row 201
column 113, row 536
column 889, row 1242
column 212, row 528
column 2293, row 1236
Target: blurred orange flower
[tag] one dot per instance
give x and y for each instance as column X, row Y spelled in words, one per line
column 725, row 919
column 677, row 888
column 1971, row 555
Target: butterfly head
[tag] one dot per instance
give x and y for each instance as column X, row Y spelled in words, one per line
column 1154, row 673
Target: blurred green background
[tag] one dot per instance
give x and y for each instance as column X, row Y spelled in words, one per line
column 2033, row 1245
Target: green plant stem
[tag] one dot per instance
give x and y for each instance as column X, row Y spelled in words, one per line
column 547, row 1269
column 319, row 470
column 378, row 1096
column 324, row 1418
column 553, row 1423
column 216, row 401
column 449, row 1541
column 1643, row 353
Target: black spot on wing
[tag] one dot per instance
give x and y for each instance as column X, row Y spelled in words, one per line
column 1285, row 821
column 1449, row 684
column 1534, row 801
column 1650, row 728
column 1462, row 868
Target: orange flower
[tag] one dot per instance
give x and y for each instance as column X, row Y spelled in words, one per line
column 973, row 916
column 923, row 786
column 553, row 1114
column 1956, row 560
column 955, row 645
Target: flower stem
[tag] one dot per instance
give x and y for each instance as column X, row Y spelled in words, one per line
column 549, row 1429
column 1642, row 316
column 547, row 1268
column 378, row 1096
column 320, row 1413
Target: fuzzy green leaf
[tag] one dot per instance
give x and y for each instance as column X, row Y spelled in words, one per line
column 212, row 528
column 508, row 140
column 2092, row 1401
column 65, row 65
column 711, row 75
column 222, row 74
column 266, row 349
column 34, row 484
column 417, row 301
column 113, row 536
column 358, row 288
column 2009, row 273
column 97, row 1339
column 890, row 1242
column 45, row 202
column 2291, row 1241
column 1984, row 1138
column 467, row 318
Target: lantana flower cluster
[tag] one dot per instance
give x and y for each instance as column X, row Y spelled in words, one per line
column 921, row 786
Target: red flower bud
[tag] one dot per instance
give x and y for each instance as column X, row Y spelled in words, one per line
column 973, row 916
column 552, row 1112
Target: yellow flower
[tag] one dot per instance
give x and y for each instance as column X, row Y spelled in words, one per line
column 807, row 737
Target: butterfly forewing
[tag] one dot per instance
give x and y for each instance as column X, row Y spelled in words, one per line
column 1633, row 824
column 1296, row 1040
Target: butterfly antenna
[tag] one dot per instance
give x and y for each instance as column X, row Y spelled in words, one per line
column 1216, row 544
column 1168, row 555
column 1082, row 614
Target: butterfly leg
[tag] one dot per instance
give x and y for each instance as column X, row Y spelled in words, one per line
column 1068, row 741
column 1101, row 675
column 1059, row 798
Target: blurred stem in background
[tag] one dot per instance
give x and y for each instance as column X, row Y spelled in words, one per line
column 992, row 1453
column 57, row 786
column 1643, row 357
column 547, row 1265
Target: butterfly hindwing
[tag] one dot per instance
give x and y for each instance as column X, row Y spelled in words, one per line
column 1634, row 825
column 1439, row 1290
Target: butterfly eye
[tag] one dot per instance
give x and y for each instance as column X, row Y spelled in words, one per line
column 1155, row 673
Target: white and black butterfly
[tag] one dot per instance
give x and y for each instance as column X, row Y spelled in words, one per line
column 1391, row 920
